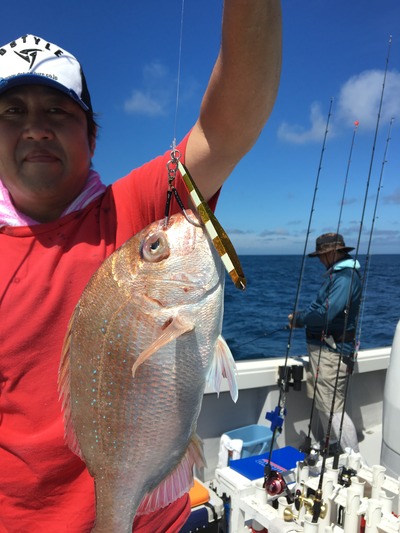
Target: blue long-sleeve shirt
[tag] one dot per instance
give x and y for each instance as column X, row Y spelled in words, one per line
column 326, row 315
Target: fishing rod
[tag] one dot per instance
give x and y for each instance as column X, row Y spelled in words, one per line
column 366, row 274
column 277, row 416
column 364, row 283
column 350, row 360
column 318, row 503
column 374, row 217
column 307, row 443
column 353, row 360
column 374, row 145
column 355, row 129
column 318, row 496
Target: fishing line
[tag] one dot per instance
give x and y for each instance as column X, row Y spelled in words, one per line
column 178, row 80
column 265, row 334
column 277, row 416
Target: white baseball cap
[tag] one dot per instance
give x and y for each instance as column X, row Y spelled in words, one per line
column 31, row 60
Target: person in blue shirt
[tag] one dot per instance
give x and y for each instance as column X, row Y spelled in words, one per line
column 330, row 324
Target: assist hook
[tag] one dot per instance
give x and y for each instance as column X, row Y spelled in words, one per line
column 172, row 167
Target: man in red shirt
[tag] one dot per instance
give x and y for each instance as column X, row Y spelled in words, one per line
column 58, row 223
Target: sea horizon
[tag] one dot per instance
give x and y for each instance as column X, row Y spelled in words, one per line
column 255, row 319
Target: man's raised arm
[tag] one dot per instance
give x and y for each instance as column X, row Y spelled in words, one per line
column 241, row 92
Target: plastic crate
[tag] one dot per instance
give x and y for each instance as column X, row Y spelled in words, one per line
column 256, row 439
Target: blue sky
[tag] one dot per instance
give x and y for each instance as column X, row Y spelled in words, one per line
column 333, row 49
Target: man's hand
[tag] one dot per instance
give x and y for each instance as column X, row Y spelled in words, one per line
column 292, row 321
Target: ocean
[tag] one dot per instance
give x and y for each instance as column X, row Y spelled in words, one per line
column 255, row 319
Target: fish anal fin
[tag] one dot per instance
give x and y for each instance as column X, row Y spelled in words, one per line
column 64, row 390
column 223, row 366
column 175, row 328
column 178, row 482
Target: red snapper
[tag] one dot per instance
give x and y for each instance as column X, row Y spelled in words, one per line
column 143, row 340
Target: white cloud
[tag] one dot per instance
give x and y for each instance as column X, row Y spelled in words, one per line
column 144, row 104
column 359, row 99
column 298, row 134
column 393, row 198
column 277, row 232
column 155, row 96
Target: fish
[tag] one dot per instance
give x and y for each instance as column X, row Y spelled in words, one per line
column 142, row 344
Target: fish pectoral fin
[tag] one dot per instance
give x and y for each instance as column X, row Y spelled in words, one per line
column 64, row 387
column 223, row 366
column 178, row 482
column 175, row 328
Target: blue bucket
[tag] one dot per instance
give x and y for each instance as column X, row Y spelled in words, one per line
column 256, row 439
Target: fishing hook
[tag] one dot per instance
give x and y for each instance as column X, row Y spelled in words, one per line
column 172, row 167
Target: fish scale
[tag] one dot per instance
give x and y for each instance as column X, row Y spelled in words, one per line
column 142, row 342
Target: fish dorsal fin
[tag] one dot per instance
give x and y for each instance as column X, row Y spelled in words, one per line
column 223, row 366
column 64, row 389
column 176, row 327
column 178, row 482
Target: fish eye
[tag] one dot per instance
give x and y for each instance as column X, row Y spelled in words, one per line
column 155, row 247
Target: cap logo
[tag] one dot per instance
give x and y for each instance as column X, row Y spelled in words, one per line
column 29, row 55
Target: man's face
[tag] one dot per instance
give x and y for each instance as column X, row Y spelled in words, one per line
column 45, row 152
column 328, row 258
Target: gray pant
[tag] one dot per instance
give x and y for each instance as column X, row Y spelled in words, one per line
column 327, row 373
column 327, row 376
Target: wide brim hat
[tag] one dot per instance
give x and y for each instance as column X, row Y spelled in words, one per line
column 330, row 242
column 31, row 60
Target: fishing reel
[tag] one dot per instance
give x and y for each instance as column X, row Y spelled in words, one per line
column 275, row 484
column 311, row 452
column 345, row 475
column 313, row 505
column 290, row 376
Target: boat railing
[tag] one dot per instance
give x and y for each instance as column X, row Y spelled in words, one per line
column 254, row 373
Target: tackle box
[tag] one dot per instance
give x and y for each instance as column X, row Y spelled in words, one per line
column 282, row 460
column 207, row 510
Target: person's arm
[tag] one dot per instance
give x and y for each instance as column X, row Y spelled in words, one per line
column 330, row 302
column 240, row 94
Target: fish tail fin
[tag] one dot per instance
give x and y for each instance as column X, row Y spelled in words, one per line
column 64, row 390
column 178, row 482
column 223, row 366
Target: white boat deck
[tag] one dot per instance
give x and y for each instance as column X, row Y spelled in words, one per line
column 259, row 393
